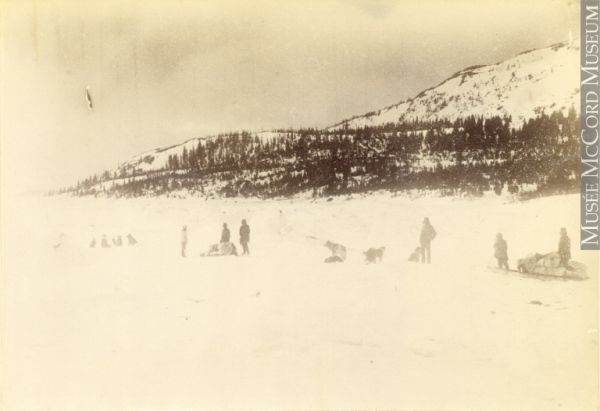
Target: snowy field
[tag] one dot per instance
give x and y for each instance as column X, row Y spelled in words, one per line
column 140, row 328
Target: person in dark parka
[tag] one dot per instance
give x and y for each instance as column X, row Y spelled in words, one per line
column 245, row 237
column 564, row 248
column 225, row 234
column 501, row 252
column 427, row 235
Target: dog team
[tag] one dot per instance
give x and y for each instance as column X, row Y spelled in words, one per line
column 374, row 255
column 116, row 241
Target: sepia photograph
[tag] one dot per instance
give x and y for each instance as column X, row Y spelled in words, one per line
column 299, row 205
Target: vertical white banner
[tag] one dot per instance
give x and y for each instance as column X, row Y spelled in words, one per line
column 590, row 126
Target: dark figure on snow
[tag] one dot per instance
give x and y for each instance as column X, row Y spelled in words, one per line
column 93, row 243
column 372, row 255
column 245, row 237
column 501, row 252
column 564, row 248
column 184, row 240
column 225, row 234
column 131, row 240
column 415, row 256
column 105, row 242
column 427, row 234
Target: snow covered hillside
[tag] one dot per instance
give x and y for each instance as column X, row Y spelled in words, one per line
column 156, row 159
column 532, row 83
column 524, row 86
column 142, row 328
column 472, row 157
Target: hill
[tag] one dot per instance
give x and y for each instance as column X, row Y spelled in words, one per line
column 510, row 126
column 529, row 84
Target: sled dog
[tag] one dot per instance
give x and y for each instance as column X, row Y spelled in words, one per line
column 337, row 250
column 414, row 257
column 372, row 255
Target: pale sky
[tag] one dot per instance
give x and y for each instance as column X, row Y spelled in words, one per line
column 161, row 72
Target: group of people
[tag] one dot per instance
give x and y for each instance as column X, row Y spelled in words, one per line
column 564, row 250
column 225, row 242
column 421, row 254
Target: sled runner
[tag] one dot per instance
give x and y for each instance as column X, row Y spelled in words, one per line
column 518, row 273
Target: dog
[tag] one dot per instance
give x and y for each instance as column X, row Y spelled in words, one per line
column 338, row 252
column 415, row 256
column 372, row 255
column 131, row 240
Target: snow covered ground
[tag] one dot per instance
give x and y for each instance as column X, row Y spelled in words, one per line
column 139, row 328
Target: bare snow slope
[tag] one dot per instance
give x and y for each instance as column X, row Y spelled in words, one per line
column 140, row 328
column 542, row 80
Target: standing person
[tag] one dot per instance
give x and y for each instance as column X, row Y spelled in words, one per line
column 564, row 248
column 501, row 252
column 427, row 234
column 225, row 234
column 245, row 237
column 105, row 242
column 184, row 240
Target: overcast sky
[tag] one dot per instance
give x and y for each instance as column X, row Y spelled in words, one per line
column 161, row 72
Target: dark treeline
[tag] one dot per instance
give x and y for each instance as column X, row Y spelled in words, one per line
column 466, row 157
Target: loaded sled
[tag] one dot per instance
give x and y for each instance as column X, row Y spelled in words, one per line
column 548, row 265
column 220, row 249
